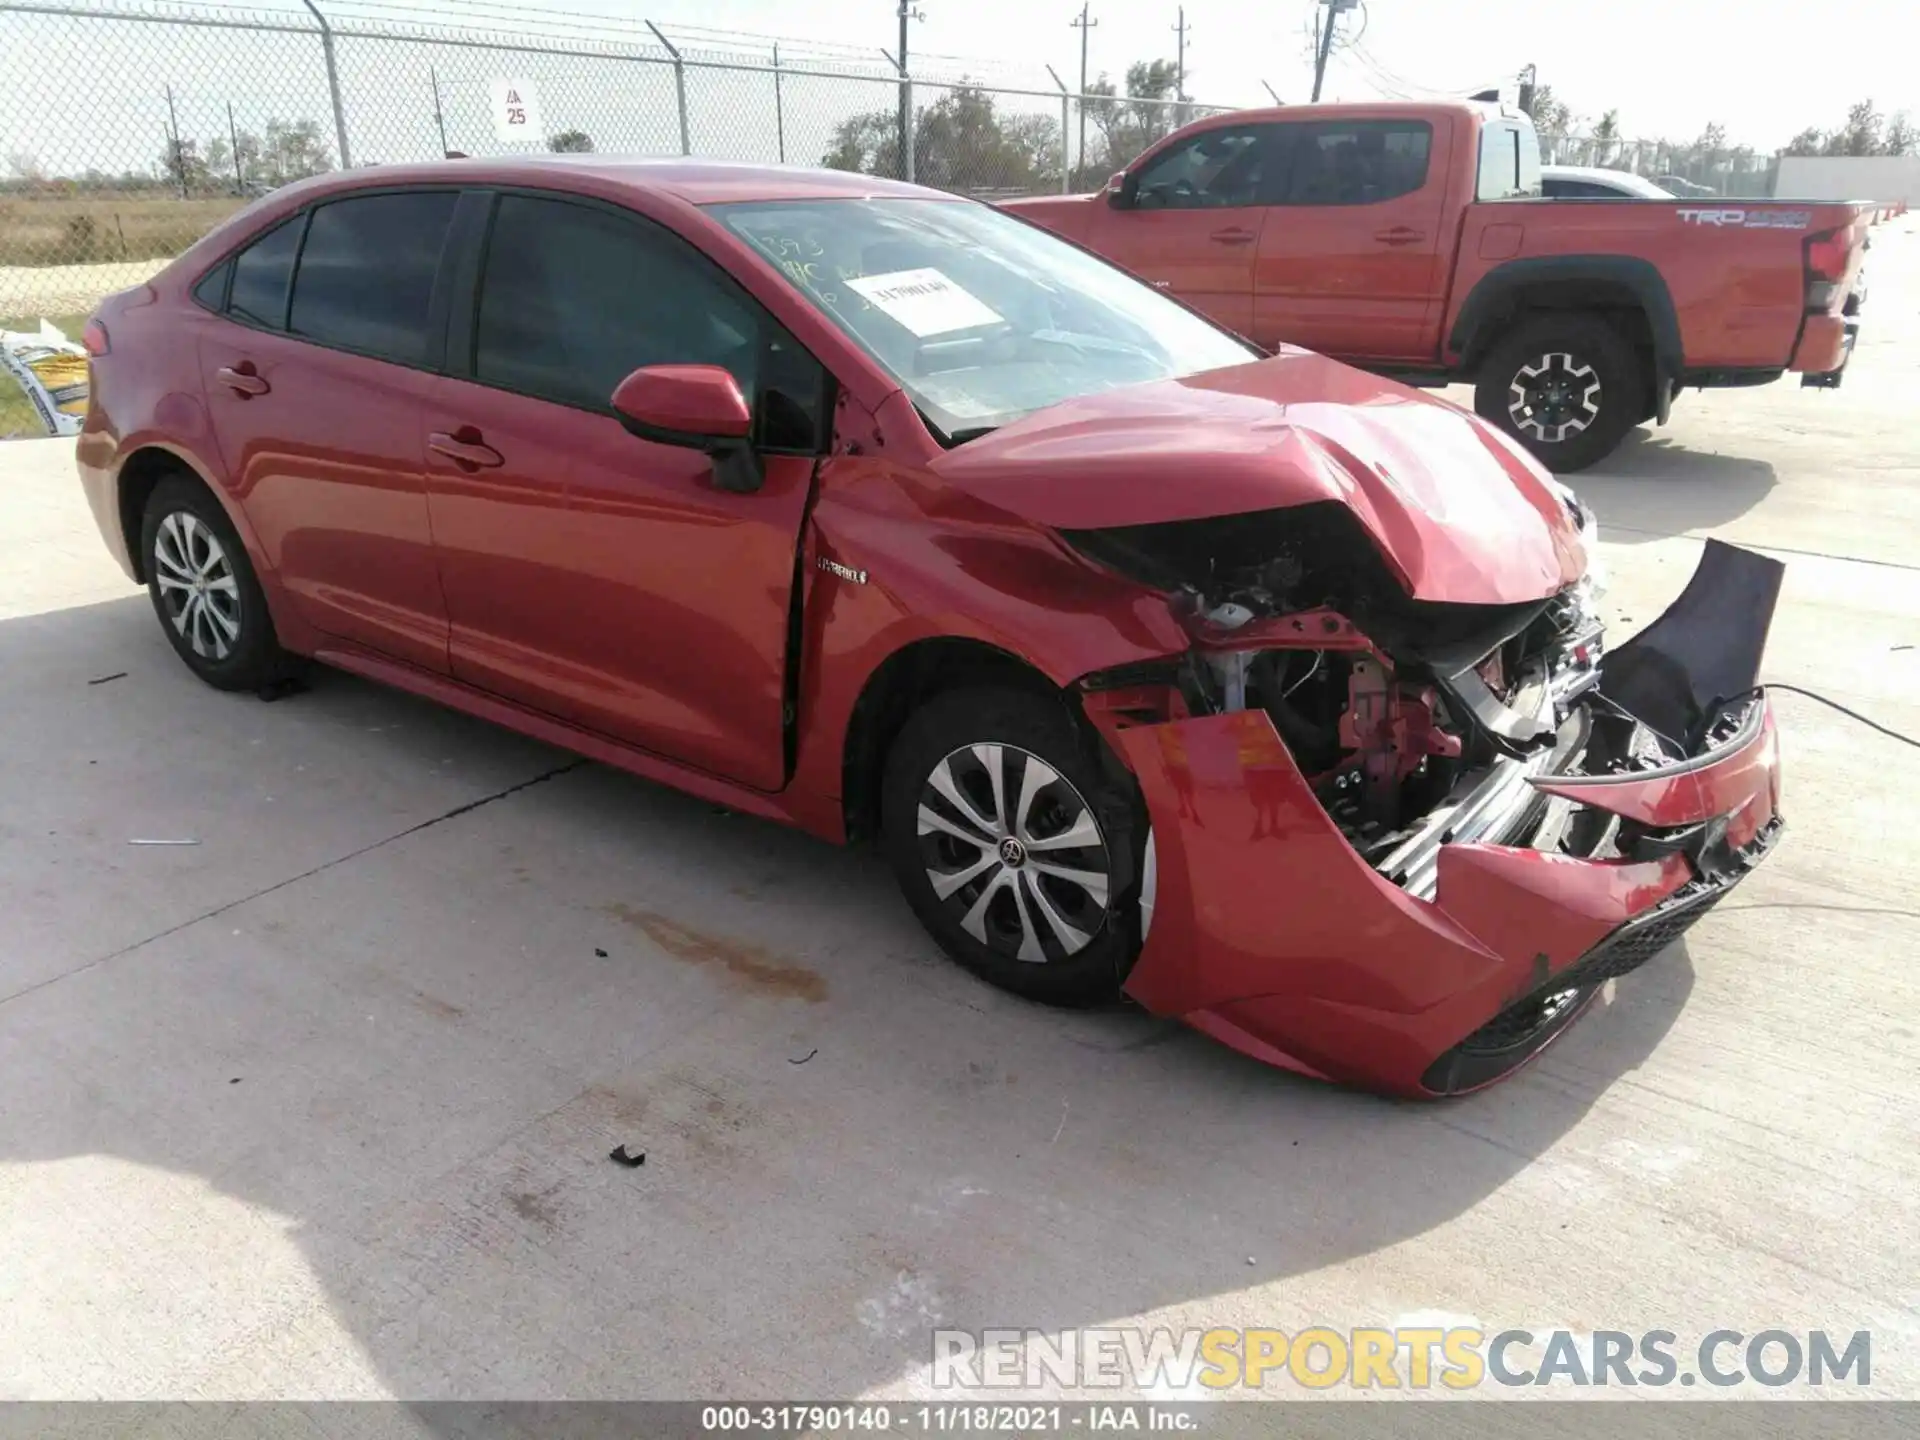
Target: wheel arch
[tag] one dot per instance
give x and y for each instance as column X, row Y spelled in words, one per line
column 140, row 473
column 1631, row 292
column 900, row 684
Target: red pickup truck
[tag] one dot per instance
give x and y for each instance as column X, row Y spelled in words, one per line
column 1413, row 240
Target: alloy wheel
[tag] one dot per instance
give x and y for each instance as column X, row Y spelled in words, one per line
column 1014, row 852
column 1554, row 396
column 197, row 585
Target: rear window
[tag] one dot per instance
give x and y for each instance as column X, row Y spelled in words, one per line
column 366, row 273
column 1359, row 162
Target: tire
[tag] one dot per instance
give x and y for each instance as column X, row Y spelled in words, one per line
column 1568, row 387
column 1012, row 914
column 204, row 590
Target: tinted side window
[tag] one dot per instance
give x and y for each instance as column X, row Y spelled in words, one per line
column 366, row 273
column 575, row 298
column 1360, row 162
column 1214, row 169
column 261, row 272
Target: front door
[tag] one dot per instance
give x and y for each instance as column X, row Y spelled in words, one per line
column 1352, row 262
column 315, row 381
column 590, row 574
column 1190, row 220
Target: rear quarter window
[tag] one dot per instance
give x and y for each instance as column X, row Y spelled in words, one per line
column 1509, row 161
column 261, row 273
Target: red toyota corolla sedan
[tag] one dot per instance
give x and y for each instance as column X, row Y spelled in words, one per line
column 1264, row 691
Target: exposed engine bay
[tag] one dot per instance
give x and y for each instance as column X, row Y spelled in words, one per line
column 1420, row 724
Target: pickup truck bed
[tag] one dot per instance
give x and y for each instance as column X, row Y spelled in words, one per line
column 1411, row 240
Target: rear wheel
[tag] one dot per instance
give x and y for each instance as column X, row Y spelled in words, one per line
column 1568, row 387
column 203, row 588
column 1014, row 845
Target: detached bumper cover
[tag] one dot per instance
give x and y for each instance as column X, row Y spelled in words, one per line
column 1272, row 934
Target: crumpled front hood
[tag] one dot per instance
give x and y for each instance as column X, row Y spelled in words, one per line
column 1460, row 513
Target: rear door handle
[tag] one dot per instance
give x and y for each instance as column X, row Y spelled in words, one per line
column 1233, row 235
column 465, row 447
column 241, row 379
column 1399, row 235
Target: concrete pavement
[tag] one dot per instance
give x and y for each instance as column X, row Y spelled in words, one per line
column 320, row 1107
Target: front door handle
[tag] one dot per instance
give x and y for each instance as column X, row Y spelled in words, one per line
column 465, row 448
column 242, row 379
column 1399, row 235
column 1233, row 235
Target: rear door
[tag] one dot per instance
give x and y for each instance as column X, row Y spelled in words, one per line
column 591, row 574
column 315, row 390
column 1190, row 218
column 1351, row 260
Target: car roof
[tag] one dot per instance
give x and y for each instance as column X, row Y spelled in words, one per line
column 1600, row 175
column 699, row 182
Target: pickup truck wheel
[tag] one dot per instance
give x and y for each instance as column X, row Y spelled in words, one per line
column 1015, row 848
column 1567, row 387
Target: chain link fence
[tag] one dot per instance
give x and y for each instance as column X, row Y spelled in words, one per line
column 129, row 128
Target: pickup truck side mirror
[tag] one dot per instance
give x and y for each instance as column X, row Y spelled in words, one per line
column 1117, row 194
column 699, row 407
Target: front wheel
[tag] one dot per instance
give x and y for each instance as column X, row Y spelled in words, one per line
column 1568, row 387
column 1015, row 846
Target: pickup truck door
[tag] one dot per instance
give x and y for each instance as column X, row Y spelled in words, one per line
column 1188, row 220
column 1350, row 261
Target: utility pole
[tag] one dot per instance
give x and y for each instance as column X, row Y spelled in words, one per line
column 233, row 138
column 1325, row 50
column 1180, row 62
column 174, row 147
column 906, row 12
column 1529, row 79
column 1085, row 23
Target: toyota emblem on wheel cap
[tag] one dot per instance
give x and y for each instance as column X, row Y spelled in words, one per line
column 1012, row 853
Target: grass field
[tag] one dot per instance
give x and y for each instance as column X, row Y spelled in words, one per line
column 17, row 415
column 79, row 230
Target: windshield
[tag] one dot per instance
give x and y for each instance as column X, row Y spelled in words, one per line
column 980, row 317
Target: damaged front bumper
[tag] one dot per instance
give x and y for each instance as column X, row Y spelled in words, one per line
column 1454, row 959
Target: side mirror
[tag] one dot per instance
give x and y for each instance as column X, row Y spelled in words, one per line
column 1117, row 190
column 696, row 406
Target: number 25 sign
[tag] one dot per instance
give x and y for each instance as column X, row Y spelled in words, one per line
column 516, row 113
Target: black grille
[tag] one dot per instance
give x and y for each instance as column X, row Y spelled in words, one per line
column 1518, row 1023
column 1631, row 946
column 1524, row 1026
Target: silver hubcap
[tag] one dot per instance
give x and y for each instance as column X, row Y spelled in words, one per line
column 197, row 587
column 1554, row 396
column 1014, row 853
